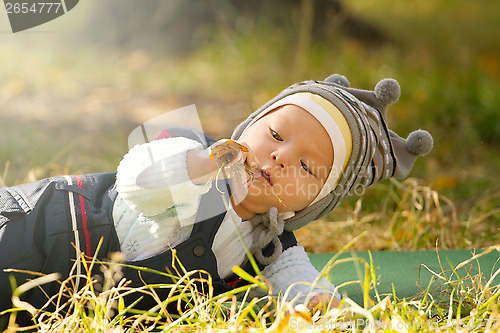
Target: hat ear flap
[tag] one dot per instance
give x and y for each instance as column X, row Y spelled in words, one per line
column 418, row 143
column 387, row 91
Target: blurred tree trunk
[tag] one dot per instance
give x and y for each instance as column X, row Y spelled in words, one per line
column 174, row 24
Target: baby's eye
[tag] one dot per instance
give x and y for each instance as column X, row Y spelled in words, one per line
column 304, row 166
column 276, row 136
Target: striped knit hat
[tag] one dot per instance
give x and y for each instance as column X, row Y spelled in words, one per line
column 365, row 150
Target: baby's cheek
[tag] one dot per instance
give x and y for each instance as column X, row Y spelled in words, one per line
column 301, row 194
column 308, row 192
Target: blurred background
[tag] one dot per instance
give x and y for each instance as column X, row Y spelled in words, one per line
column 71, row 91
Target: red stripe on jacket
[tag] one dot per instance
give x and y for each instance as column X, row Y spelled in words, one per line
column 84, row 219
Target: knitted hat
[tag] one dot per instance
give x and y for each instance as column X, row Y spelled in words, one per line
column 365, row 150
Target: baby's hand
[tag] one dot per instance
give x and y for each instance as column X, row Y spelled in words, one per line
column 248, row 156
column 323, row 301
column 228, row 153
column 224, row 155
column 233, row 158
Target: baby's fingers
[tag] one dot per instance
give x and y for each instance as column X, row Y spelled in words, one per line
column 323, row 300
column 248, row 155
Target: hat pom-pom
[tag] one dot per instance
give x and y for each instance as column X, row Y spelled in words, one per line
column 338, row 79
column 387, row 91
column 419, row 142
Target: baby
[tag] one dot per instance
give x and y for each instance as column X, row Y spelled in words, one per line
column 299, row 156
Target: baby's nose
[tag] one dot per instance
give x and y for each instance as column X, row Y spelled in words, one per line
column 278, row 158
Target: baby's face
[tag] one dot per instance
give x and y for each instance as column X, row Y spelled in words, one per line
column 295, row 156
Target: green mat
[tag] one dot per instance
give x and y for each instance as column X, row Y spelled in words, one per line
column 404, row 272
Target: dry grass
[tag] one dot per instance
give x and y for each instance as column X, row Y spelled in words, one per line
column 449, row 303
column 407, row 215
column 452, row 89
column 404, row 215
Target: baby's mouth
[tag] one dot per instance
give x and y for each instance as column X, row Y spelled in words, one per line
column 261, row 175
column 267, row 176
column 264, row 176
